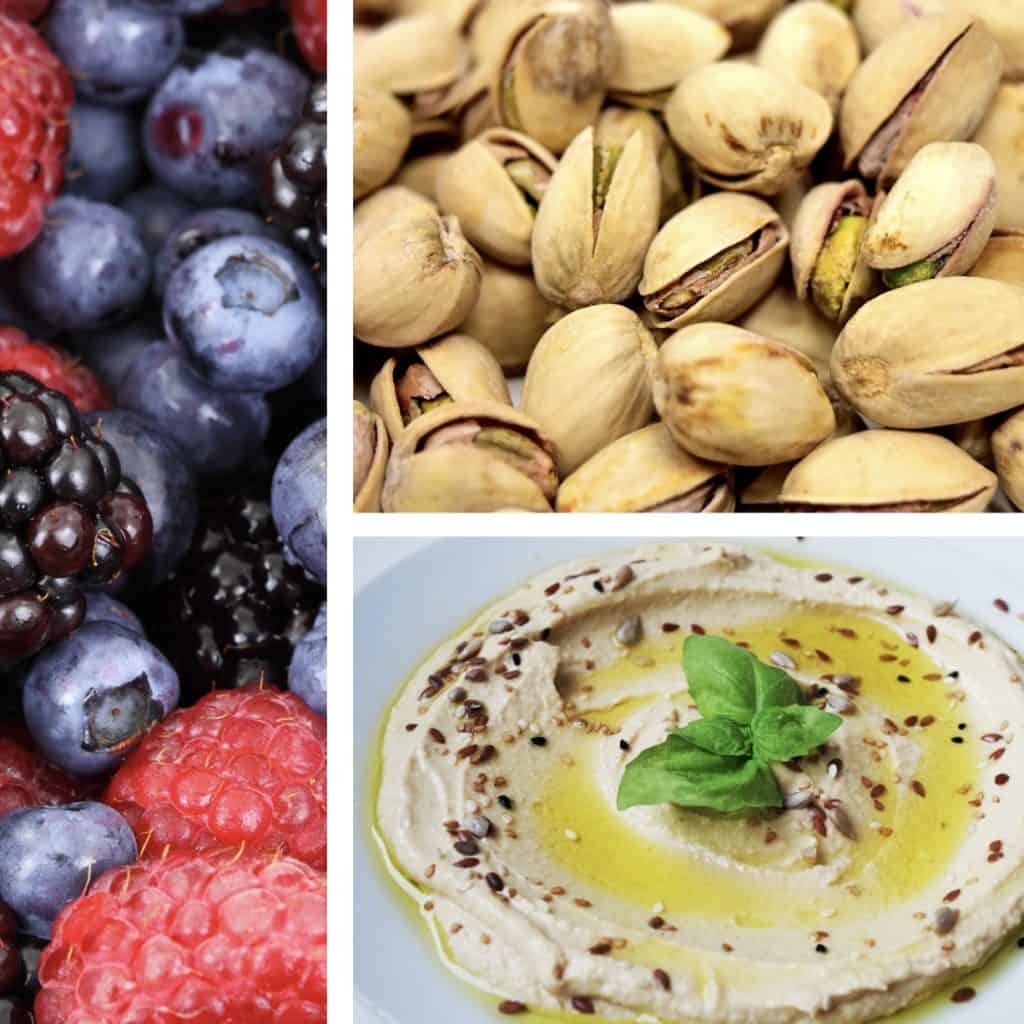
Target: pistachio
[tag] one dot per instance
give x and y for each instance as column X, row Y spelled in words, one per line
column 1008, row 450
column 588, row 381
column 975, row 438
column 934, row 353
column 746, row 128
column 938, row 216
column 888, row 471
column 381, row 130
column 458, row 13
column 595, row 222
column 646, row 471
column 410, row 55
column 494, row 184
column 929, row 82
column 452, row 369
column 731, row 396
column 420, row 173
column 471, row 457
column 745, row 19
column 1001, row 133
column 1002, row 260
column 713, row 260
column 369, row 457
column 415, row 275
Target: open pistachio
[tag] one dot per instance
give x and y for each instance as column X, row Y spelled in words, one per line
column 595, row 222
column 731, row 396
column 410, row 55
column 414, row 275
column 746, row 128
column 452, row 369
column 381, row 130
column 420, row 173
column 471, row 457
column 458, row 13
column 888, row 471
column 646, row 471
column 589, row 381
column 813, row 43
column 745, row 19
column 369, row 457
column 1001, row 133
column 1002, row 260
column 929, row 82
column 713, row 260
column 658, row 44
column 494, row 184
column 553, row 67
column 828, row 261
column 934, row 353
column 938, row 216
column 1008, row 450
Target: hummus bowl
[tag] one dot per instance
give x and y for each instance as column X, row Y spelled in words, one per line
column 890, row 871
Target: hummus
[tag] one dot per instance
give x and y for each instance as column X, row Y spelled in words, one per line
column 895, row 868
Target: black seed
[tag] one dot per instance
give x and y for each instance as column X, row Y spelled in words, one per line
column 538, row 741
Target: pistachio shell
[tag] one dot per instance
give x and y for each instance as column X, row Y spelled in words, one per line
column 458, row 13
column 1002, row 134
column 929, row 82
column 745, row 19
column 588, row 381
column 877, row 20
column 1008, row 449
column 369, row 457
column 889, row 471
column 646, row 471
column 409, row 55
column 747, row 128
column 381, row 130
column 415, row 276
column 934, row 353
column 975, row 438
column 595, row 222
column 728, row 395
column 420, row 174
column 1002, row 260
column 713, row 260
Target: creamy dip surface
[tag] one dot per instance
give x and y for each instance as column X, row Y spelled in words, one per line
column 894, row 868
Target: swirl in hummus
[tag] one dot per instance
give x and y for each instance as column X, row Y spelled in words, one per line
column 894, row 868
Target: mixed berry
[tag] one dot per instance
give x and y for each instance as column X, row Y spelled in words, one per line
column 163, row 565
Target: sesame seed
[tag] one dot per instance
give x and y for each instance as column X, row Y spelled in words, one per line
column 571, row 835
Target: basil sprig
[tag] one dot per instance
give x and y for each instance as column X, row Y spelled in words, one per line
column 753, row 715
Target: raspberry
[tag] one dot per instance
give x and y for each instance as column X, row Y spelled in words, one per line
column 309, row 19
column 28, row 781
column 242, row 768
column 53, row 367
column 25, row 10
column 35, row 97
column 219, row 941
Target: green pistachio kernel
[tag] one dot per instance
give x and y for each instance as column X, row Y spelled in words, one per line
column 922, row 270
column 606, row 159
column 836, row 262
column 529, row 178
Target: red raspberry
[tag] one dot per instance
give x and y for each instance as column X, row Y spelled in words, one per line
column 242, row 768
column 35, row 97
column 309, row 19
column 28, row 781
column 26, row 10
column 54, row 367
column 220, row 941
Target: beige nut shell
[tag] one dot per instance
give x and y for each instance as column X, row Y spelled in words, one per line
column 1008, row 449
column 1002, row 260
column 1002, row 134
column 411, row 54
column 381, row 130
column 367, row 498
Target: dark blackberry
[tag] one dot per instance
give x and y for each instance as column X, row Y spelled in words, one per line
column 19, row 962
column 235, row 608
column 295, row 190
column 66, row 516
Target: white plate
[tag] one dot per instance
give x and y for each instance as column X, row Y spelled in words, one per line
column 411, row 607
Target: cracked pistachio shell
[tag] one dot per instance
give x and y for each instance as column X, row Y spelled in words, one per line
column 425, row 475
column 934, row 353
column 888, row 471
column 939, row 215
column 1002, row 260
column 589, row 381
column 463, row 368
column 415, row 276
column 658, row 44
column 1002, row 134
column 458, row 13
column 931, row 81
column 595, row 222
column 409, row 55
column 744, row 19
column 381, row 130
column 646, row 471
column 510, row 316
column 420, row 174
column 713, row 260
column 814, row 43
column 552, row 69
column 731, row 396
column 1008, row 450
column 493, row 184
column 746, row 128
column 369, row 457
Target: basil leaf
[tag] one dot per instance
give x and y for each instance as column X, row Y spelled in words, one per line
column 720, row 677
column 678, row 772
column 774, row 687
column 780, row 734
column 719, row 735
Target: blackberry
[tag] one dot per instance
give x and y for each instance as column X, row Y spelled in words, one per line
column 19, row 966
column 295, row 191
column 234, row 610
column 67, row 517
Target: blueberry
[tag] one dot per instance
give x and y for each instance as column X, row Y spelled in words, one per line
column 307, row 676
column 298, row 498
column 248, row 313
column 156, row 463
column 15, row 312
column 200, row 229
column 180, row 6
column 211, row 124
column 218, row 430
column 88, row 268
column 100, row 607
column 91, row 697
column 315, row 380
column 49, row 855
column 117, row 51
column 156, row 210
column 105, row 157
column 111, row 352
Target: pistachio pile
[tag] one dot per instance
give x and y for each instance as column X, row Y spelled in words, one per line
column 745, row 255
